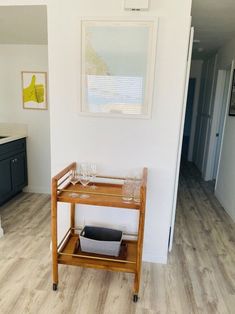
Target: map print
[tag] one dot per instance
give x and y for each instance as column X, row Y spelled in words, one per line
column 115, row 68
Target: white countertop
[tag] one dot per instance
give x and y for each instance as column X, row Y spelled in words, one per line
column 11, row 138
column 12, row 131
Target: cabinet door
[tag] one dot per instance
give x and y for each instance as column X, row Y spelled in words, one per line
column 5, row 179
column 19, row 171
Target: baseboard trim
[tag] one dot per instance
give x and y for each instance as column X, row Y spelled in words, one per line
column 231, row 215
column 154, row 258
column 37, row 189
column 1, row 230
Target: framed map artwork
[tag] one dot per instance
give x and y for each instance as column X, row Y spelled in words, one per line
column 118, row 65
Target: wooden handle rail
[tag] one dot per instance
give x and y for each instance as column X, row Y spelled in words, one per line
column 99, row 258
column 89, row 192
column 72, row 166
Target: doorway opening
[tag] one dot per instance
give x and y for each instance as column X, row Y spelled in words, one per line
column 209, row 112
column 23, row 63
column 188, row 118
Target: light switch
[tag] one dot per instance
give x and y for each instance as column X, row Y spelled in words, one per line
column 136, row 4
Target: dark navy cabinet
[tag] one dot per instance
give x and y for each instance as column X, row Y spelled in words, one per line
column 5, row 179
column 13, row 169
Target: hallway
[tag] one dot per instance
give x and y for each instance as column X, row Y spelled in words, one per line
column 204, row 246
column 199, row 277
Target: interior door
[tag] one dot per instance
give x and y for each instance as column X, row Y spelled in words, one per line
column 205, row 116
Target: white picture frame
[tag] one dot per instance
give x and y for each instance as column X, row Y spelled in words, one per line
column 111, row 48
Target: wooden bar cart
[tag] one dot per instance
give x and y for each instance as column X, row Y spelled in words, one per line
column 106, row 194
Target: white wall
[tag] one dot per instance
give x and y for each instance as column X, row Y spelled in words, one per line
column 13, row 60
column 195, row 72
column 226, row 176
column 115, row 143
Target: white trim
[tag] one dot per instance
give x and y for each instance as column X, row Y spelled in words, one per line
column 1, row 230
column 187, row 73
column 151, row 257
column 37, row 189
column 231, row 214
column 225, row 120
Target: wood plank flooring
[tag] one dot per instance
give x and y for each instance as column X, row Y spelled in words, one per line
column 199, row 276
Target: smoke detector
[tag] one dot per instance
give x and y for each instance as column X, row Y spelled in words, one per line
column 136, row 5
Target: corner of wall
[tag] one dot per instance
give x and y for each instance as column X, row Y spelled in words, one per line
column 153, row 257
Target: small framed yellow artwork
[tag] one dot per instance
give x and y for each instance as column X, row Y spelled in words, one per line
column 34, row 90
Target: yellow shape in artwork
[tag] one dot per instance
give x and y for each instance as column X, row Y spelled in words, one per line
column 34, row 92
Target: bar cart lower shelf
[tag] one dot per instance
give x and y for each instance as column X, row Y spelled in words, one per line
column 68, row 256
column 68, row 252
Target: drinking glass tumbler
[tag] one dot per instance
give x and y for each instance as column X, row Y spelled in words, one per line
column 127, row 190
column 136, row 191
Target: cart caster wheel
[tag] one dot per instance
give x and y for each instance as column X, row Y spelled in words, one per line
column 135, row 298
column 54, row 286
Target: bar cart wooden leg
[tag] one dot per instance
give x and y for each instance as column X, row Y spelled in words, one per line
column 136, row 288
column 72, row 217
column 140, row 244
column 54, row 235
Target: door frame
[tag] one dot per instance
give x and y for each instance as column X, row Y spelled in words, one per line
column 176, row 183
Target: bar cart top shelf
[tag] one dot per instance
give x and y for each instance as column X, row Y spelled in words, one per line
column 105, row 194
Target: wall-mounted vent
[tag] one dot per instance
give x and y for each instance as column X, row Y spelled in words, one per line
column 136, row 5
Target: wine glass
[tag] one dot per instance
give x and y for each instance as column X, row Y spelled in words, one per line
column 85, row 177
column 93, row 174
column 74, row 180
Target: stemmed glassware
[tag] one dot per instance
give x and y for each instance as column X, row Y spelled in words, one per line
column 86, row 173
column 85, row 177
column 93, row 174
column 74, row 180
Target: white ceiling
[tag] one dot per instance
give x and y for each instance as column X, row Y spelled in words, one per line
column 213, row 20
column 214, row 23
column 23, row 25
